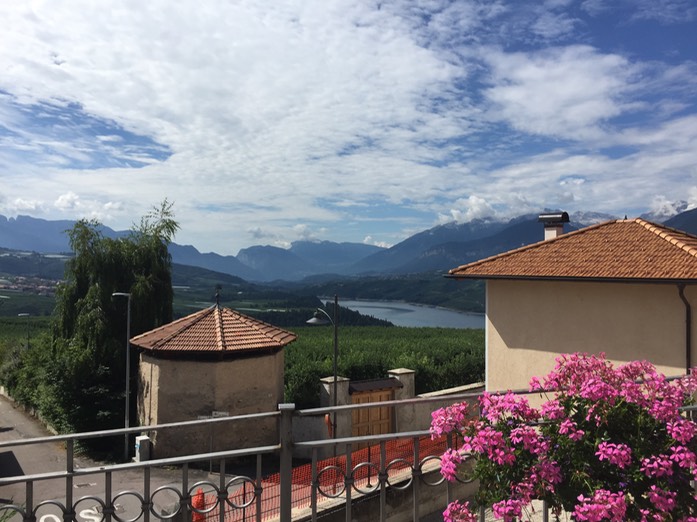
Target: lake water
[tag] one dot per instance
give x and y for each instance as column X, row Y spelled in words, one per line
column 406, row 314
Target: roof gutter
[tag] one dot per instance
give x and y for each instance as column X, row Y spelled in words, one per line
column 646, row 280
column 688, row 328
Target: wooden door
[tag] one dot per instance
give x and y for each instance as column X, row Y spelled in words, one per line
column 372, row 421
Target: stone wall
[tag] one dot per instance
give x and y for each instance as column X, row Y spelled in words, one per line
column 177, row 390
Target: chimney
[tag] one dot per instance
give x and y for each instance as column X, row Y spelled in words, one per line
column 554, row 223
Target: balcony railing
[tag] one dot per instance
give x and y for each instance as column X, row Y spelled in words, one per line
column 393, row 473
column 395, row 476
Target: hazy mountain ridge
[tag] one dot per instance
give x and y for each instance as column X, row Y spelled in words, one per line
column 434, row 250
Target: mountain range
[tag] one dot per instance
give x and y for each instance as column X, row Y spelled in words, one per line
column 434, row 250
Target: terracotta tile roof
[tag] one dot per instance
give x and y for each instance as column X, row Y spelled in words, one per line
column 628, row 249
column 214, row 329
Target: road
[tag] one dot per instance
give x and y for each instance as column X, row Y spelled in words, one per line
column 15, row 424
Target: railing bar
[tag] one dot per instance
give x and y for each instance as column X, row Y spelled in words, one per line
column 109, row 508
column 456, row 397
column 258, row 490
column 222, row 494
column 29, row 501
column 136, row 429
column 147, row 501
column 348, row 481
column 70, row 468
column 448, row 486
column 416, row 480
column 174, row 461
column 364, row 438
column 545, row 511
column 285, row 431
column 315, row 485
column 185, row 503
column 382, row 477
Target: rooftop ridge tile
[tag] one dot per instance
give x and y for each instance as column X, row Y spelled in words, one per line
column 623, row 249
column 665, row 233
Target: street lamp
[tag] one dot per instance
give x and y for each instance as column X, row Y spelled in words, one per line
column 128, row 368
column 27, row 316
column 318, row 319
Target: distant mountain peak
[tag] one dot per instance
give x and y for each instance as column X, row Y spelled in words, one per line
column 590, row 218
column 664, row 210
column 436, row 249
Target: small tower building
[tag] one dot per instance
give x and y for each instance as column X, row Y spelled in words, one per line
column 215, row 362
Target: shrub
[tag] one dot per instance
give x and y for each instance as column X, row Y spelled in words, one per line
column 610, row 444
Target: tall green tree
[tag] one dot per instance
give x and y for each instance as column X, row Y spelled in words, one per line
column 88, row 352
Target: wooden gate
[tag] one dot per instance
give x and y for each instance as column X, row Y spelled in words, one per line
column 372, row 421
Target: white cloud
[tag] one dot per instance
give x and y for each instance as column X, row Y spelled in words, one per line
column 267, row 122
column 563, row 92
column 304, row 232
column 67, row 201
column 369, row 240
column 661, row 206
column 20, row 205
column 474, row 207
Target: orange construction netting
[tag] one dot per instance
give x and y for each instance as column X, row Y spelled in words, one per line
column 399, row 460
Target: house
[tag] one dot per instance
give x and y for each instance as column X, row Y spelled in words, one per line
column 623, row 287
column 215, row 362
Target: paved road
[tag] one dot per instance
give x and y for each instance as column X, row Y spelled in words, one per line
column 15, row 424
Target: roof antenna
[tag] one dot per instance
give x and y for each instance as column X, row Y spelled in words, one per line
column 218, row 287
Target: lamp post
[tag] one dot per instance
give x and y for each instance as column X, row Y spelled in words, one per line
column 27, row 316
column 128, row 369
column 318, row 319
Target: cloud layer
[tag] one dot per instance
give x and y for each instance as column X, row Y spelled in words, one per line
column 344, row 120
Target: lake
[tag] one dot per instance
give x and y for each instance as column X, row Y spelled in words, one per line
column 406, row 314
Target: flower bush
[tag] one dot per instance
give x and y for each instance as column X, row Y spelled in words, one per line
column 609, row 443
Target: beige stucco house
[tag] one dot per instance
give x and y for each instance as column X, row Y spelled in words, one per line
column 624, row 287
column 215, row 362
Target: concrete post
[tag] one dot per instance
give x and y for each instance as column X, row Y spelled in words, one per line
column 406, row 377
column 343, row 420
column 404, row 416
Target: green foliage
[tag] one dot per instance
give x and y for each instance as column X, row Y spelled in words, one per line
column 75, row 378
column 441, row 357
column 296, row 311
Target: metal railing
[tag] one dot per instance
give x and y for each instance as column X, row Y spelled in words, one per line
column 241, row 488
column 172, row 488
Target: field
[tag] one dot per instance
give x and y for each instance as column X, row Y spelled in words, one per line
column 441, row 357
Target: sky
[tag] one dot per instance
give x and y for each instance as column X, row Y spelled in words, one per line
column 267, row 122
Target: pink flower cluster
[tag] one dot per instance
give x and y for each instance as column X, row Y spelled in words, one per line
column 603, row 505
column 490, row 442
column 448, row 419
column 618, row 454
column 459, row 512
column 629, row 417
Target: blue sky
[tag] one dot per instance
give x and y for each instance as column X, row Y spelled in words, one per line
column 364, row 121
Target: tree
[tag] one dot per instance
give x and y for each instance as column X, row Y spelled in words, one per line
column 84, row 376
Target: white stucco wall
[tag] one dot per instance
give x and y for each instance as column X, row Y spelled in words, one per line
column 530, row 322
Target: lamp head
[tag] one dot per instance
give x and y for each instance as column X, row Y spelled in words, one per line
column 318, row 319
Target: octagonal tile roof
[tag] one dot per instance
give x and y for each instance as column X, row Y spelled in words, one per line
column 214, row 329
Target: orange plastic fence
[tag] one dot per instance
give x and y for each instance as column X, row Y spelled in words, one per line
column 399, row 457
